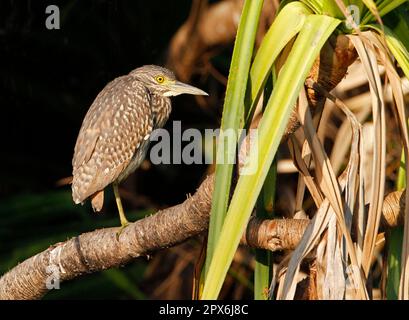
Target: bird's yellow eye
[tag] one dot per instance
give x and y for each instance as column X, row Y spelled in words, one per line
column 160, row 79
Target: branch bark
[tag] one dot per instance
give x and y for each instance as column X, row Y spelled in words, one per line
column 100, row 249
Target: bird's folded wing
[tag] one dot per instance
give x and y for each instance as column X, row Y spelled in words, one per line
column 117, row 124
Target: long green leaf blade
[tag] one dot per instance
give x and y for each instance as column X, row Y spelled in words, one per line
column 381, row 9
column 398, row 22
column 265, row 204
column 394, row 263
column 233, row 117
column 312, row 37
column 286, row 25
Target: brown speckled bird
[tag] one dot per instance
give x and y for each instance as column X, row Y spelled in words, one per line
column 114, row 135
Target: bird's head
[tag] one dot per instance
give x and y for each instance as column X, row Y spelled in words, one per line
column 163, row 82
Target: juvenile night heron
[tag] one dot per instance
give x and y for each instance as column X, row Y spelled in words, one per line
column 114, row 135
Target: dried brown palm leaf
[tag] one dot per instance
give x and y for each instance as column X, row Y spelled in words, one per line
column 397, row 92
column 321, row 265
column 310, row 238
column 318, row 223
column 340, row 149
column 307, row 163
column 299, row 162
column 368, row 57
column 354, row 170
column 331, row 189
column 353, row 167
column 334, row 282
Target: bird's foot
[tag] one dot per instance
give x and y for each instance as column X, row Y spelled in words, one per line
column 124, row 224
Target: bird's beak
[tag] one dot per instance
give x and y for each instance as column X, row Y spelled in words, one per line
column 178, row 87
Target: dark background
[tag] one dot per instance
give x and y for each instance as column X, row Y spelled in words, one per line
column 48, row 80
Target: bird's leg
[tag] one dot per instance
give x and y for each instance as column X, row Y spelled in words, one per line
column 122, row 217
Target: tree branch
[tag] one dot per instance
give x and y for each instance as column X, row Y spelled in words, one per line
column 100, row 249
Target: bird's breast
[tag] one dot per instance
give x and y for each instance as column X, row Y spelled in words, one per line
column 136, row 161
column 161, row 108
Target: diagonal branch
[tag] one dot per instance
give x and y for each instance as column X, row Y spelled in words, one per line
column 99, row 250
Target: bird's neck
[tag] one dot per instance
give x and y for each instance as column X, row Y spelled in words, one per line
column 161, row 107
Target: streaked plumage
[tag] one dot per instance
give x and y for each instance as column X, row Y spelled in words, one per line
column 114, row 135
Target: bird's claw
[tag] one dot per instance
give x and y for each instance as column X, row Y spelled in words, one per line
column 121, row 228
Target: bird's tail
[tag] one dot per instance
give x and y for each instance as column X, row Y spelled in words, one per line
column 64, row 181
column 97, row 201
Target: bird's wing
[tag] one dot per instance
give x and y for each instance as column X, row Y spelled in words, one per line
column 118, row 122
column 91, row 125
